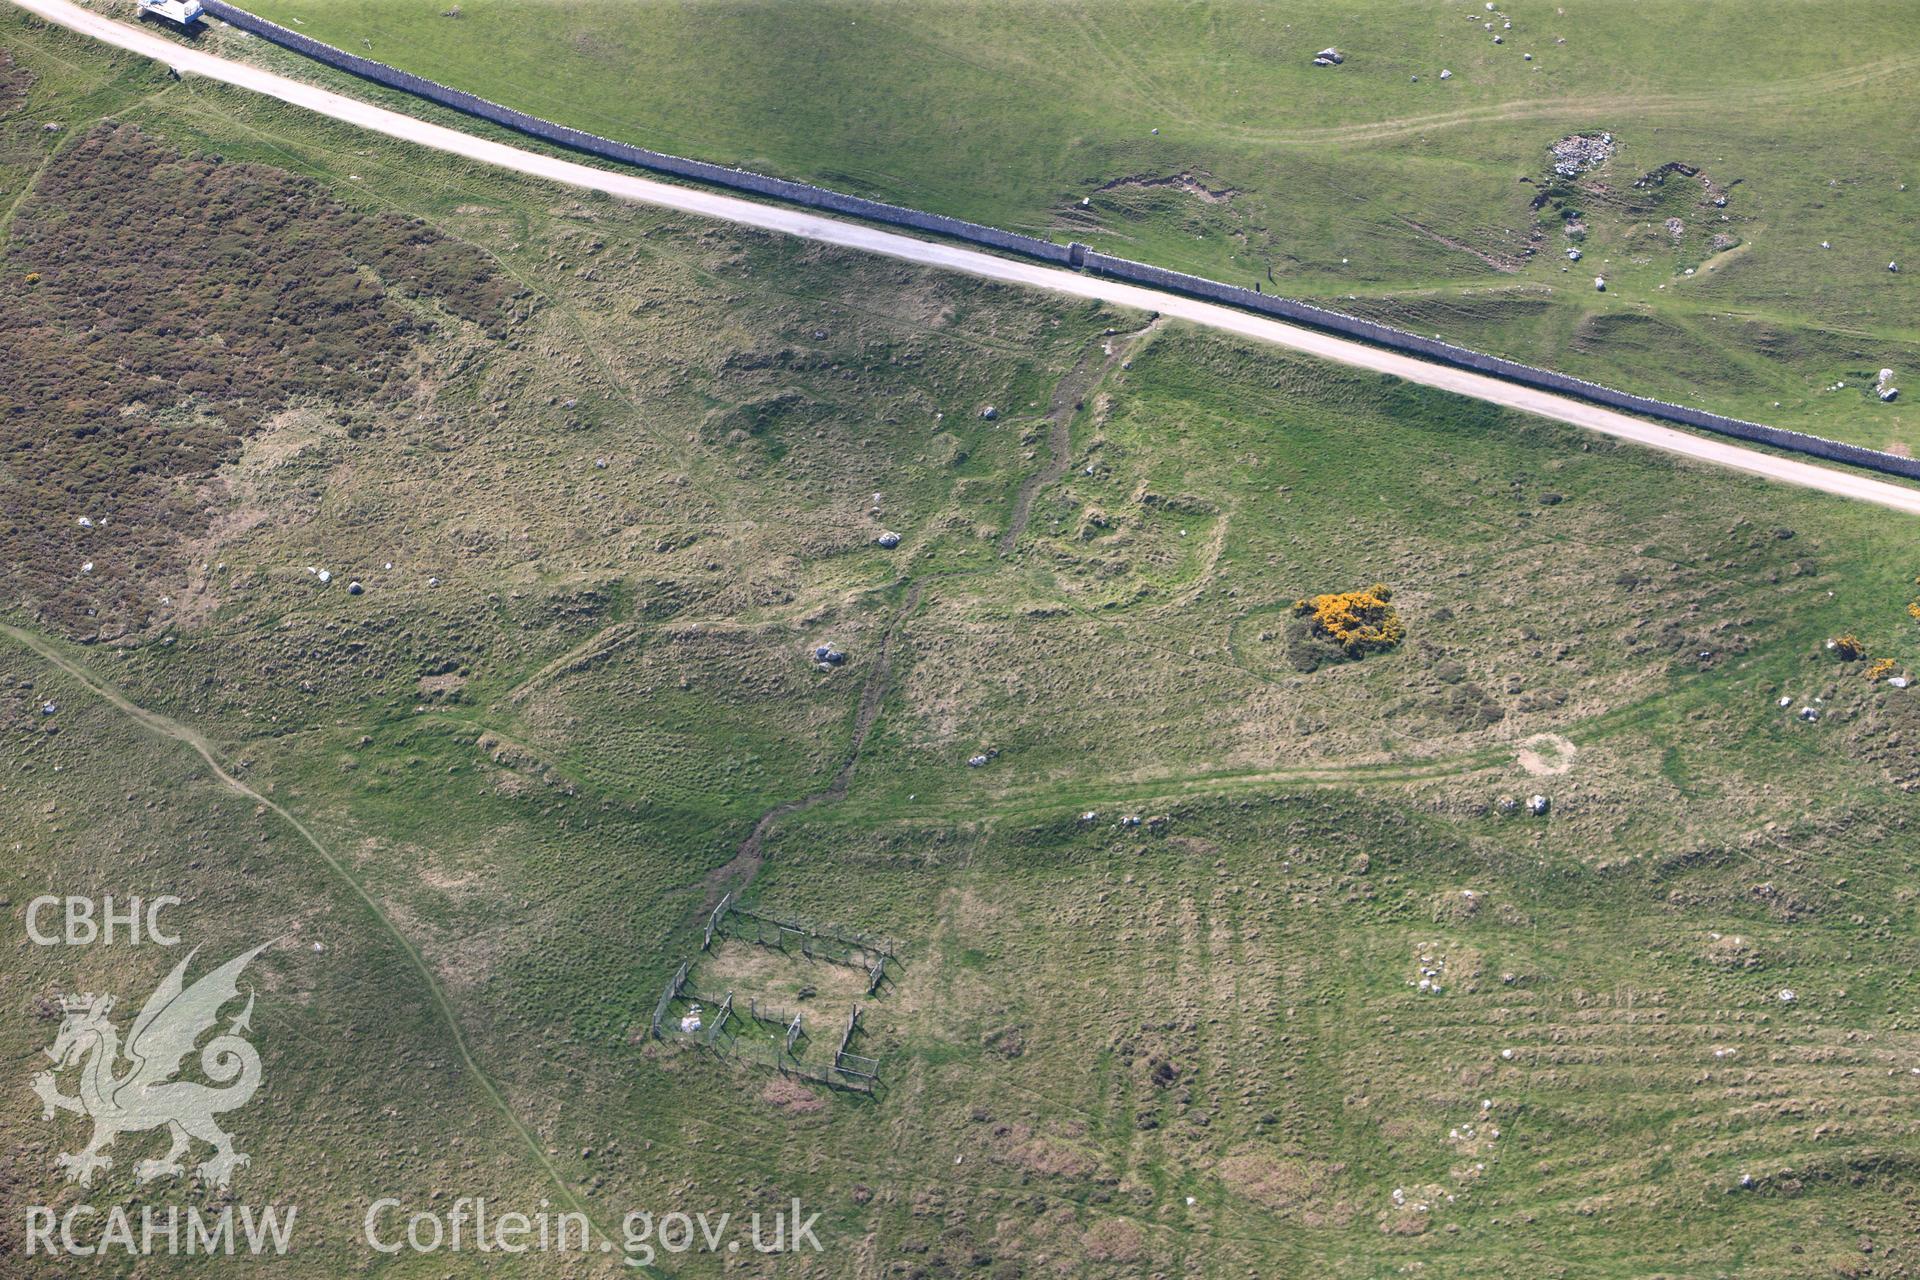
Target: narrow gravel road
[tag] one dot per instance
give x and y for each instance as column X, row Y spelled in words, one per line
column 950, row 257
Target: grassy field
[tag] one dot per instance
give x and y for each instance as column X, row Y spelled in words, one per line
column 1202, row 137
column 608, row 476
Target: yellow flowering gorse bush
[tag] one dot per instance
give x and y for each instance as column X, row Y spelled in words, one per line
column 1358, row 621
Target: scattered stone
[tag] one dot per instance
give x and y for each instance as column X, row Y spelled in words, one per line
column 1445, row 74
column 1537, row 805
column 1899, row 682
column 889, row 539
column 1573, row 255
column 1809, row 713
column 976, row 762
column 1893, row 267
column 1130, row 821
column 325, row 576
column 827, row 655
column 48, row 708
column 433, row 582
column 87, row 567
column 1600, row 283
column 1576, row 153
column 989, row 413
column 1329, row 57
column 1089, row 816
column 354, row 588
column 1889, row 393
column 1787, row 996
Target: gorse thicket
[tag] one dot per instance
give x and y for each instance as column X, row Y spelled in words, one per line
column 1360, row 622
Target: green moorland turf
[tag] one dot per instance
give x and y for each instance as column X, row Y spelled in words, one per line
column 628, row 468
column 1374, row 185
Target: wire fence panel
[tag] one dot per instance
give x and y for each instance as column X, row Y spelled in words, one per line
column 668, row 996
column 772, row 1037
